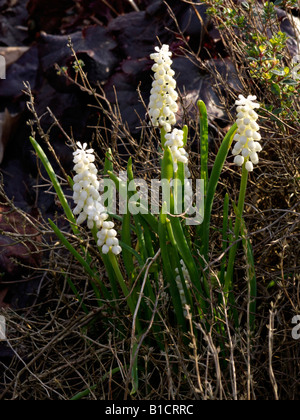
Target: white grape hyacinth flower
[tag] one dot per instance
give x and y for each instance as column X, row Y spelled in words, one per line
column 163, row 105
column 88, row 199
column 85, row 189
column 247, row 138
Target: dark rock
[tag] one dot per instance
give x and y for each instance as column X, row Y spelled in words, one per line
column 24, row 69
column 137, row 33
column 13, row 23
column 195, row 84
column 45, row 15
column 94, row 45
column 132, row 74
column 192, row 19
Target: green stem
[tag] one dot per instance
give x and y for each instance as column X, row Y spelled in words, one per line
column 162, row 137
column 237, row 228
column 119, row 276
column 50, row 171
column 225, row 237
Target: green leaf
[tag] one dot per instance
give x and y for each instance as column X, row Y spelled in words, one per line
column 275, row 88
column 185, row 135
column 290, row 82
column 203, row 143
column 133, row 252
column 237, row 228
column 61, row 196
column 169, row 271
column 187, row 256
column 225, row 237
column 211, row 190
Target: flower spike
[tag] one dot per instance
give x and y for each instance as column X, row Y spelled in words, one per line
column 162, row 105
column 247, row 138
column 88, row 200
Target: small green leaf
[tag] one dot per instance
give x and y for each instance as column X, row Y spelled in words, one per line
column 275, row 88
column 278, row 72
column 290, row 82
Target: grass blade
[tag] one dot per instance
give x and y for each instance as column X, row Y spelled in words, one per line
column 167, row 167
column 211, row 189
column 225, row 238
column 169, row 271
